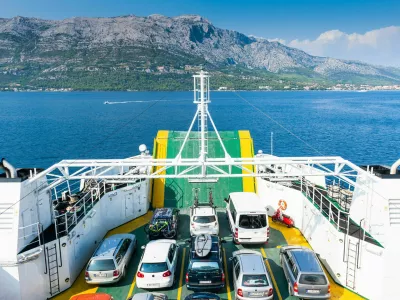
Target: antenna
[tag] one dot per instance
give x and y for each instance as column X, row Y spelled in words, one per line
column 272, row 143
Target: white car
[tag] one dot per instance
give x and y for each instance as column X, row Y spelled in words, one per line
column 203, row 220
column 157, row 268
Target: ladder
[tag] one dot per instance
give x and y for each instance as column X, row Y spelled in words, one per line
column 52, row 263
column 205, row 131
column 352, row 256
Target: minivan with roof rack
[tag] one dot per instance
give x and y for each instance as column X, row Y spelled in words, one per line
column 248, row 218
column 304, row 273
column 110, row 260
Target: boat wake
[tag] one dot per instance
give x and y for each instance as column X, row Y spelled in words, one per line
column 139, row 101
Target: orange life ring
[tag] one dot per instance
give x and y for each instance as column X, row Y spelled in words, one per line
column 282, row 204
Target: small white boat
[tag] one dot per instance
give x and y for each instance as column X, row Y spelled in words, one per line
column 107, row 102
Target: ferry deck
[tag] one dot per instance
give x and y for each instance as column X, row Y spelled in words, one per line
column 178, row 193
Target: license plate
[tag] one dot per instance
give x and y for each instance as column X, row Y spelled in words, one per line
column 313, row 291
column 100, row 275
column 153, row 284
column 256, row 294
column 204, row 226
column 204, row 282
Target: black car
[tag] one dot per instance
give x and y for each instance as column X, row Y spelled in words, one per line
column 205, row 270
column 163, row 224
column 202, row 296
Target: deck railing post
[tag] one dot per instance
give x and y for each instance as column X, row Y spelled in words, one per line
column 330, row 210
column 338, row 221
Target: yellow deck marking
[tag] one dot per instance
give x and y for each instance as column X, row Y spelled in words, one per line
column 132, row 286
column 293, row 236
column 247, row 150
column 80, row 286
column 228, row 288
column 132, row 225
column 272, row 274
column 181, row 275
column 160, row 152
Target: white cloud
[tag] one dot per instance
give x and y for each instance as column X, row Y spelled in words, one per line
column 380, row 46
column 277, row 40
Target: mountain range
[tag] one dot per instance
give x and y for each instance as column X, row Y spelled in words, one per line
column 159, row 52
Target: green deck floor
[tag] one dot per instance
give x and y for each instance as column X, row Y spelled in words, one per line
column 179, row 192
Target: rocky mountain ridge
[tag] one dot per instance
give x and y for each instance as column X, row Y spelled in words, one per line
column 143, row 44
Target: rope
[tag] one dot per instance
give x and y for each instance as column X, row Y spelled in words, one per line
column 279, row 124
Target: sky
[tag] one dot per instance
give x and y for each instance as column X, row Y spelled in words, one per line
column 353, row 29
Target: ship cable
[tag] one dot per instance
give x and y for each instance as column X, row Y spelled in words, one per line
column 279, row 124
column 91, row 149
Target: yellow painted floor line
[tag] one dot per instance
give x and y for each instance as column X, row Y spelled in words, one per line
column 247, row 151
column 132, row 225
column 228, row 288
column 181, row 276
column 293, row 236
column 132, row 286
column 160, row 152
column 272, row 274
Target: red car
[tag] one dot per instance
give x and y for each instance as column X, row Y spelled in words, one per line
column 100, row 296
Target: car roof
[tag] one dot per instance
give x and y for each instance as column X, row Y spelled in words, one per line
column 110, row 244
column 246, row 201
column 157, row 251
column 202, row 295
column 99, row 296
column 204, row 211
column 252, row 263
column 307, row 260
column 214, row 252
column 163, row 213
column 143, row 296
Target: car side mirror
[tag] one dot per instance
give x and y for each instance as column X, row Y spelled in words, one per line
column 230, row 258
column 223, row 241
column 143, row 247
column 226, row 200
column 187, row 241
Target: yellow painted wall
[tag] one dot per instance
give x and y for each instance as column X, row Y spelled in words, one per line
column 247, row 150
column 160, row 152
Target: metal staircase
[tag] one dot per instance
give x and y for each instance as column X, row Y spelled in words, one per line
column 352, row 257
column 52, row 263
column 394, row 212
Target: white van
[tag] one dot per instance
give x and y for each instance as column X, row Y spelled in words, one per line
column 247, row 218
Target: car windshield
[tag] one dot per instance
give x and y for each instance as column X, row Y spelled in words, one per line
column 205, row 266
column 313, row 279
column 255, row 280
column 101, row 265
column 252, row 221
column 204, row 219
column 154, row 267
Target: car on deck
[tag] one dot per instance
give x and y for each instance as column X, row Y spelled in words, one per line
column 205, row 269
column 110, row 260
column 202, row 296
column 157, row 267
column 247, row 217
column 148, row 296
column 163, row 224
column 250, row 276
column 97, row 296
column 203, row 219
column 304, row 273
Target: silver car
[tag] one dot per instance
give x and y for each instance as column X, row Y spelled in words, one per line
column 149, row 296
column 304, row 273
column 110, row 260
column 250, row 276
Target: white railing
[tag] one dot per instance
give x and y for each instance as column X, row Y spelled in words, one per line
column 329, row 210
column 74, row 212
column 31, row 232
